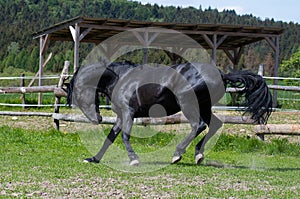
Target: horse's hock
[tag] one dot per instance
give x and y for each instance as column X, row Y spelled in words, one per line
column 276, row 129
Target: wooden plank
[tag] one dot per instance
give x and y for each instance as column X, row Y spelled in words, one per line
column 271, row 43
column 208, row 40
column 11, row 113
column 174, row 119
column 285, row 88
column 59, row 92
column 33, row 89
column 221, row 40
column 278, row 129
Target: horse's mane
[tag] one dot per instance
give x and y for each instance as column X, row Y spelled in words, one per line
column 121, row 67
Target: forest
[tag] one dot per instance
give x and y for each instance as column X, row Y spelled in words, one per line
column 21, row 18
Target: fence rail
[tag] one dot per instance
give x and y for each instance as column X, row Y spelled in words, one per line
column 175, row 119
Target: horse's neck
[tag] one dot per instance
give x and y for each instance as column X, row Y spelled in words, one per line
column 114, row 73
column 107, row 82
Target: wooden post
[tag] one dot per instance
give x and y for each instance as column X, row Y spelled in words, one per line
column 276, row 70
column 214, row 49
column 274, row 44
column 260, row 70
column 42, row 40
column 75, row 32
column 22, row 84
column 63, row 77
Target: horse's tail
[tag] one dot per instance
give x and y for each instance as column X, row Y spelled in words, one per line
column 258, row 99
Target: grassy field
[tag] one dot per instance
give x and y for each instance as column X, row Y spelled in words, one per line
column 48, row 164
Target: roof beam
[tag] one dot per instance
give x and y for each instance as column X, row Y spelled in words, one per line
column 84, row 33
column 271, row 42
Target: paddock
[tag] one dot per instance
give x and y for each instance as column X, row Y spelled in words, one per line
column 230, row 39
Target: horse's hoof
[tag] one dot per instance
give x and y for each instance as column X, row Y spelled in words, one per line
column 176, row 159
column 134, row 163
column 199, row 158
column 93, row 160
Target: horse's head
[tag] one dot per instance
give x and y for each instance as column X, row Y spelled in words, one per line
column 84, row 87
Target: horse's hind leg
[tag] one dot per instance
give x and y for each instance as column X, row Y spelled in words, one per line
column 181, row 147
column 192, row 113
column 214, row 124
column 114, row 132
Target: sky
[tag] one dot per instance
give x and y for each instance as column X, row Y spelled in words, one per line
column 279, row 10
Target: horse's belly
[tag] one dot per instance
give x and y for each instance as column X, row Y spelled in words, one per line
column 155, row 101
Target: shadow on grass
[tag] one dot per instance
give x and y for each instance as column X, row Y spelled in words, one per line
column 219, row 164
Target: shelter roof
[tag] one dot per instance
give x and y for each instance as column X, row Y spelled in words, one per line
column 97, row 30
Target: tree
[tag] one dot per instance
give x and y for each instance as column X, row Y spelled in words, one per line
column 291, row 67
column 269, row 64
column 106, row 7
column 21, row 59
column 251, row 61
column 33, row 60
column 13, row 48
column 35, row 15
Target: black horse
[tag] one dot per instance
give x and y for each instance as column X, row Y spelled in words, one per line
column 191, row 88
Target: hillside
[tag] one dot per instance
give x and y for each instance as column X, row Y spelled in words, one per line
column 20, row 18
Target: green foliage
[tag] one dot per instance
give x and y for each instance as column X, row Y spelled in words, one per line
column 13, row 48
column 253, row 145
column 21, row 18
column 291, row 67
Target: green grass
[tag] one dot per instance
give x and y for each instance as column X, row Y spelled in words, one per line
column 49, row 164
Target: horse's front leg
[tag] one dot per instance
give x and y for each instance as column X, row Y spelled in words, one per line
column 134, row 159
column 214, row 125
column 127, row 122
column 114, row 132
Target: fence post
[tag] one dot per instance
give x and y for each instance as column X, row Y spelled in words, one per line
column 22, row 84
column 63, row 77
column 261, row 70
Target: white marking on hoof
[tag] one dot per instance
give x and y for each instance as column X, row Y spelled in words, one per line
column 176, row 159
column 134, row 163
column 199, row 158
column 85, row 161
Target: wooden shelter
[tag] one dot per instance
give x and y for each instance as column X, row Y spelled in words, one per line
column 229, row 38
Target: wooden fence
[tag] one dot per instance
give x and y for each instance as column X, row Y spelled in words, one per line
column 260, row 130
